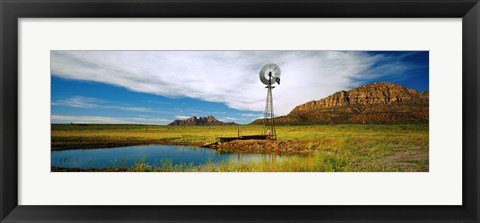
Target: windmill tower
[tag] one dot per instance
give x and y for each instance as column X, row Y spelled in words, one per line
column 269, row 75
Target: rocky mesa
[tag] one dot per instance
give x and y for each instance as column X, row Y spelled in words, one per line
column 209, row 120
column 378, row 102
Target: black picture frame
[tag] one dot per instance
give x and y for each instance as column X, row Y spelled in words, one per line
column 12, row 10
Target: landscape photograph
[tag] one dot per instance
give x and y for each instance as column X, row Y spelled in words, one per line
column 239, row 111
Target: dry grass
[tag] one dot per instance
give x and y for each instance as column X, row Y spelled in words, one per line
column 332, row 147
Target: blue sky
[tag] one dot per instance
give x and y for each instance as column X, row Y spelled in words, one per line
column 157, row 87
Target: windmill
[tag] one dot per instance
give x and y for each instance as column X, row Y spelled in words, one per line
column 269, row 75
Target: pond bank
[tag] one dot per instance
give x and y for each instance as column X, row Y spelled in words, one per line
column 119, row 143
column 264, row 146
column 238, row 146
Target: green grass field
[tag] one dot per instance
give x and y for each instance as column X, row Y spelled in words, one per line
column 345, row 148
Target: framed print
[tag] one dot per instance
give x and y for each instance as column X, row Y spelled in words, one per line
column 288, row 111
column 167, row 136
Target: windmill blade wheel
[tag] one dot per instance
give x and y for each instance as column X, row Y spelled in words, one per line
column 272, row 69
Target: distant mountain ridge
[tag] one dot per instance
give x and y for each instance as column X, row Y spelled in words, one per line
column 209, row 120
column 379, row 102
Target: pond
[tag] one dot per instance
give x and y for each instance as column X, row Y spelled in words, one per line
column 151, row 154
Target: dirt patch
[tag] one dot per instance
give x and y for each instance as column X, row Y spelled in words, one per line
column 263, row 146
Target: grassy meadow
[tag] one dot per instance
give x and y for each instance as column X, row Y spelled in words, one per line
column 331, row 148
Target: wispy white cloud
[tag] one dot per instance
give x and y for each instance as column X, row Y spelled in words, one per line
column 107, row 120
column 182, row 117
column 79, row 102
column 139, row 109
column 189, row 112
column 89, row 102
column 158, row 102
column 229, row 77
column 250, row 115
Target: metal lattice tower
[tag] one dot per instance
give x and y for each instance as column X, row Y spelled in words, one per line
column 269, row 75
column 269, row 115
